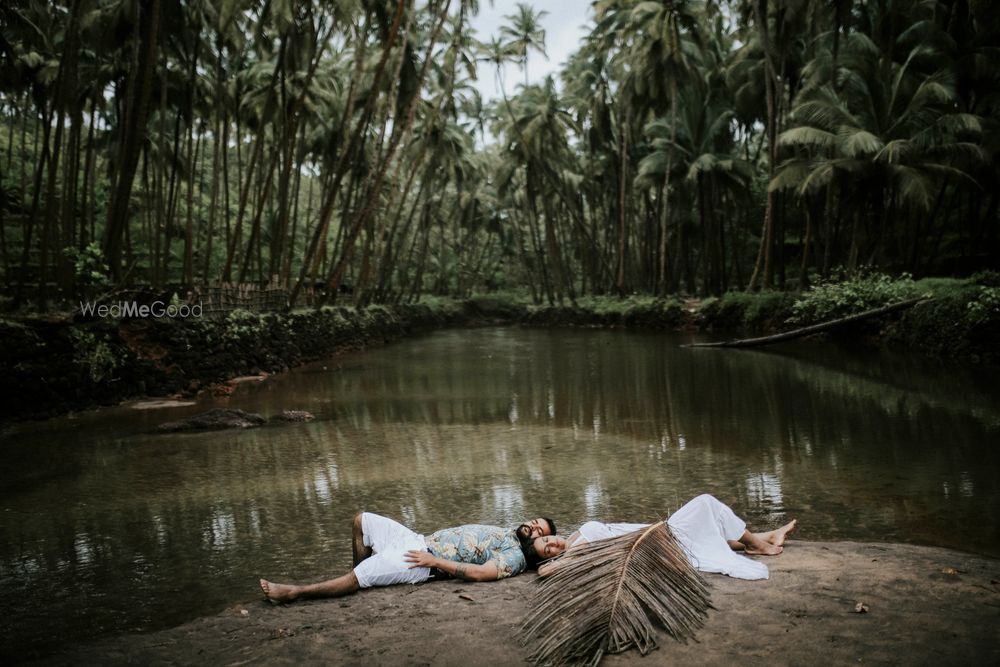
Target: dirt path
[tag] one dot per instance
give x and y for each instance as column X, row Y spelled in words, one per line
column 925, row 606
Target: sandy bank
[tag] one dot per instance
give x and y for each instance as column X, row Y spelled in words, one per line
column 926, row 606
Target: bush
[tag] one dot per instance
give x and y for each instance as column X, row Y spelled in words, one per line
column 746, row 312
column 984, row 305
column 89, row 269
column 95, row 353
column 654, row 313
column 832, row 300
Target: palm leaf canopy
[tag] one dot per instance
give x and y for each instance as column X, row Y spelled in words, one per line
column 608, row 596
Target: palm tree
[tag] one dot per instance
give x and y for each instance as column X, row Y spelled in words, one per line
column 660, row 53
column 538, row 141
column 137, row 109
column 891, row 136
column 700, row 139
column 525, row 34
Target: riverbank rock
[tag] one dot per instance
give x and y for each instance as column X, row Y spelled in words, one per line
column 293, row 416
column 214, row 420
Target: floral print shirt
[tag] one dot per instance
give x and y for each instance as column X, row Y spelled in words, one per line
column 477, row 544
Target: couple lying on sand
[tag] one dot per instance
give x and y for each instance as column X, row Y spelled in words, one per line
column 387, row 553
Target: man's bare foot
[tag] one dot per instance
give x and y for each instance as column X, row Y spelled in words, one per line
column 278, row 592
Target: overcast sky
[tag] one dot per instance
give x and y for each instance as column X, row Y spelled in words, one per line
column 564, row 30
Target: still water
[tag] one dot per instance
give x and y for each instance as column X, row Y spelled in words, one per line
column 109, row 527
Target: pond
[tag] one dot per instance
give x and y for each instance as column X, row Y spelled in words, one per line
column 109, row 527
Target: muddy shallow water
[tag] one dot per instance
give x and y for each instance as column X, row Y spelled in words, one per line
column 108, row 527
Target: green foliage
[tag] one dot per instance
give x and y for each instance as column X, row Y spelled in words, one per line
column 610, row 305
column 89, row 268
column 985, row 305
column 96, row 354
column 986, row 278
column 243, row 326
column 963, row 322
column 548, row 186
column 441, row 306
column 745, row 311
column 830, row 300
column 941, row 287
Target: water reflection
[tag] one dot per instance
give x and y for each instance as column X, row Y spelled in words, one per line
column 480, row 426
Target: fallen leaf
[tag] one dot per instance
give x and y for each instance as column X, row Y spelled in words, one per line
column 466, row 597
column 949, row 570
column 861, row 608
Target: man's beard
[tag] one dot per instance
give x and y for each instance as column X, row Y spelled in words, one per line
column 523, row 533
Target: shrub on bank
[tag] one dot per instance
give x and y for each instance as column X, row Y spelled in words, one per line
column 747, row 313
column 640, row 311
column 962, row 322
column 832, row 300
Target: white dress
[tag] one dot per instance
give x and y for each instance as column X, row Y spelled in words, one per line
column 702, row 527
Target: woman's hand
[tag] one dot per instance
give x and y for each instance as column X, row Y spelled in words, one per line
column 420, row 558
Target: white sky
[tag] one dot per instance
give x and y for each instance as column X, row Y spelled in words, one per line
column 565, row 27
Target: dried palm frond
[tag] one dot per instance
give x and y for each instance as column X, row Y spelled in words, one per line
column 609, row 595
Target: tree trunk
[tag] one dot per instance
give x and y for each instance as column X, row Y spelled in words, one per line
column 763, row 263
column 665, row 208
column 333, row 280
column 188, row 270
column 35, row 197
column 134, row 132
column 816, row 328
column 622, row 181
column 326, row 211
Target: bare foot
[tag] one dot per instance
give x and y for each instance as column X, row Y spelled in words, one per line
column 766, row 549
column 757, row 545
column 278, row 592
column 778, row 536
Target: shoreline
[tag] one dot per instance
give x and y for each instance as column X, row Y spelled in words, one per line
column 73, row 363
column 925, row 605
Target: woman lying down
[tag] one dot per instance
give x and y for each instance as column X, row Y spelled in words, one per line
column 708, row 531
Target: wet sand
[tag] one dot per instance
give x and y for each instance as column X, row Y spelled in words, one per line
column 925, row 606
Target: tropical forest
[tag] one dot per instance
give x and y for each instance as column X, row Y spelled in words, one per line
column 684, row 147
column 292, row 290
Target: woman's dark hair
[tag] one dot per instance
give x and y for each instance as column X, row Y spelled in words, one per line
column 530, row 557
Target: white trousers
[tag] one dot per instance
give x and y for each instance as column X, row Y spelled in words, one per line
column 389, row 541
column 703, row 527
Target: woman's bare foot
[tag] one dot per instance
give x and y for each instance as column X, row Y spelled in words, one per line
column 778, row 536
column 278, row 592
column 765, row 549
column 757, row 546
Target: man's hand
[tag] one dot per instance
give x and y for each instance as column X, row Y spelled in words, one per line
column 420, row 558
column 488, row 571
